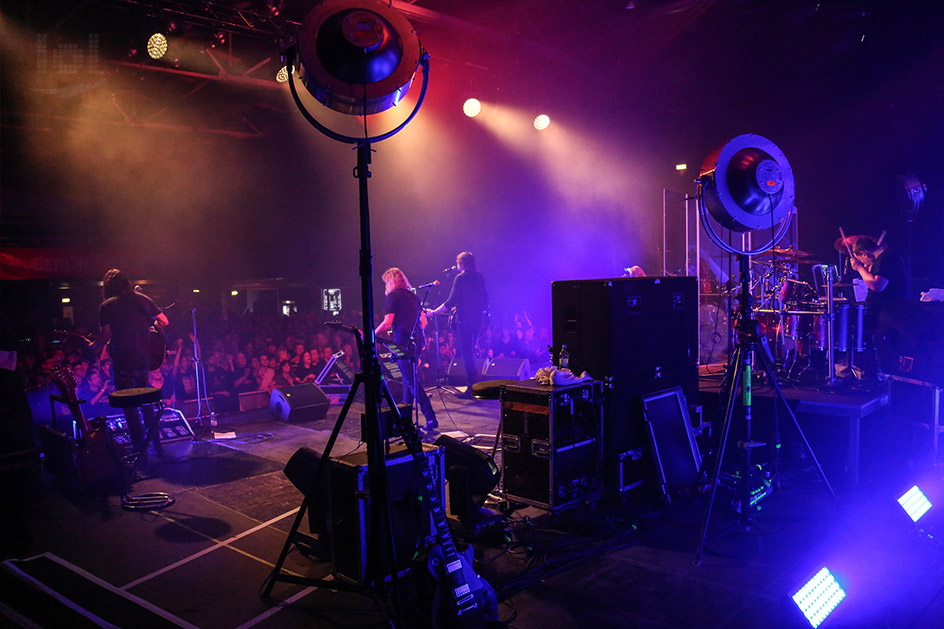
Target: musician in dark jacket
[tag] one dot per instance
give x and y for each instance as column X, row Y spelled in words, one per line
column 126, row 317
column 469, row 299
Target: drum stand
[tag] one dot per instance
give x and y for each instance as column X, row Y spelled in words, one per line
column 739, row 371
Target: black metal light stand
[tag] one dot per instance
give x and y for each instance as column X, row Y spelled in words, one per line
column 746, row 185
column 380, row 550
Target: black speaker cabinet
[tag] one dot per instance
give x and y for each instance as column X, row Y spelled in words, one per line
column 626, row 328
column 551, row 443
column 508, row 369
column 300, row 403
column 455, row 374
column 639, row 335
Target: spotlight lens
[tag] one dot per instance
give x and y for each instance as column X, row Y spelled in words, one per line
column 282, row 76
column 472, row 107
column 157, row 46
column 542, row 122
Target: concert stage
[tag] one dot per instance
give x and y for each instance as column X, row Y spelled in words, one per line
column 78, row 559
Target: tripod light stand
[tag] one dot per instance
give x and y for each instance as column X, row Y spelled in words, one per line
column 358, row 57
column 746, row 185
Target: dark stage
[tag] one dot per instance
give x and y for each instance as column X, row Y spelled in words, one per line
column 77, row 559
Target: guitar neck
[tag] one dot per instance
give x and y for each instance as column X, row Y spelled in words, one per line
column 452, row 563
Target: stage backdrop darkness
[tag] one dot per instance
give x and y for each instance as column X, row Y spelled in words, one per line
column 134, row 160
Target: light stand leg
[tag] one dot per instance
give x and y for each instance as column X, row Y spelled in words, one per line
column 719, row 460
column 796, row 423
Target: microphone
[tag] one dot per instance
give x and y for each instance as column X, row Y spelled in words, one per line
column 451, row 269
column 138, row 289
column 429, row 285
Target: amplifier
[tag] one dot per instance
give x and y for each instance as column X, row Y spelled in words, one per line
column 551, row 443
column 349, row 509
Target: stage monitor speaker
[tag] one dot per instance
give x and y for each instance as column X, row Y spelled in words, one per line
column 472, row 475
column 627, row 328
column 455, row 374
column 300, row 403
column 508, row 369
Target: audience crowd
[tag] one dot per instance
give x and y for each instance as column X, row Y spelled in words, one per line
column 259, row 353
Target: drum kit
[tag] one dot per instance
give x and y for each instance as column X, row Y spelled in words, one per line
column 805, row 324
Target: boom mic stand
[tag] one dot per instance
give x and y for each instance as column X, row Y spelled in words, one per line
column 740, row 368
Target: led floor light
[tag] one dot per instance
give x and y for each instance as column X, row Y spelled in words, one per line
column 819, row 597
column 915, row 503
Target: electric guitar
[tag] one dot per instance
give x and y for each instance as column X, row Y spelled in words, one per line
column 483, row 326
column 96, row 455
column 463, row 599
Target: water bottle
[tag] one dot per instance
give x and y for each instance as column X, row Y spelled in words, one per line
column 563, row 361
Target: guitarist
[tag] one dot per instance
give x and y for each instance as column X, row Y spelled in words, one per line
column 126, row 317
column 470, row 300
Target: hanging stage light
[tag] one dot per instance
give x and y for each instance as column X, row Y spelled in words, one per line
column 472, row 107
column 541, row 122
column 157, row 46
column 357, row 57
column 748, row 184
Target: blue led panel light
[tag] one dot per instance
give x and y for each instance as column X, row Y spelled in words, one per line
column 915, row 503
column 819, row 597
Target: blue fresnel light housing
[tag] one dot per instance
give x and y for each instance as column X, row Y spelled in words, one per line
column 357, row 57
column 819, row 597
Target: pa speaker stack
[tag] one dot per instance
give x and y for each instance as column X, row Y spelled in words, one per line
column 638, row 335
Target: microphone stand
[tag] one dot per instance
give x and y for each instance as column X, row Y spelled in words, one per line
column 200, row 376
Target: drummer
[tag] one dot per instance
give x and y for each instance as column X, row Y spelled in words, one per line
column 883, row 271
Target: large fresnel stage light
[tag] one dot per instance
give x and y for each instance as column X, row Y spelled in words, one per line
column 748, row 184
column 357, row 57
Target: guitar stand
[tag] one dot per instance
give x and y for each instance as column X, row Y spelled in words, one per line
column 136, row 398
column 748, row 344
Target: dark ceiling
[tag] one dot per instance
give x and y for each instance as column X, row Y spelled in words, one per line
column 849, row 89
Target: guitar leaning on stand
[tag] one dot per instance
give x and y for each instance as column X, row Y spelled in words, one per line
column 463, row 599
column 96, row 456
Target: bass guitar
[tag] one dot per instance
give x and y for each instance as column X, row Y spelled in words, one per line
column 463, row 599
column 96, row 455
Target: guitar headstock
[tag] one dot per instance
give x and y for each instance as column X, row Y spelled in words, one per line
column 64, row 380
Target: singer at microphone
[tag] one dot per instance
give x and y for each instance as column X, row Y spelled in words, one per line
column 469, row 300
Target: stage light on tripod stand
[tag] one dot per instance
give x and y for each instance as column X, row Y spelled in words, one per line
column 472, row 107
column 915, row 503
column 819, row 597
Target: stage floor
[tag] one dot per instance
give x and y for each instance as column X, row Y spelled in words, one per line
column 77, row 559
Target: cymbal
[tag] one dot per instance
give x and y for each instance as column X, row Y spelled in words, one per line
column 840, row 244
column 789, row 255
